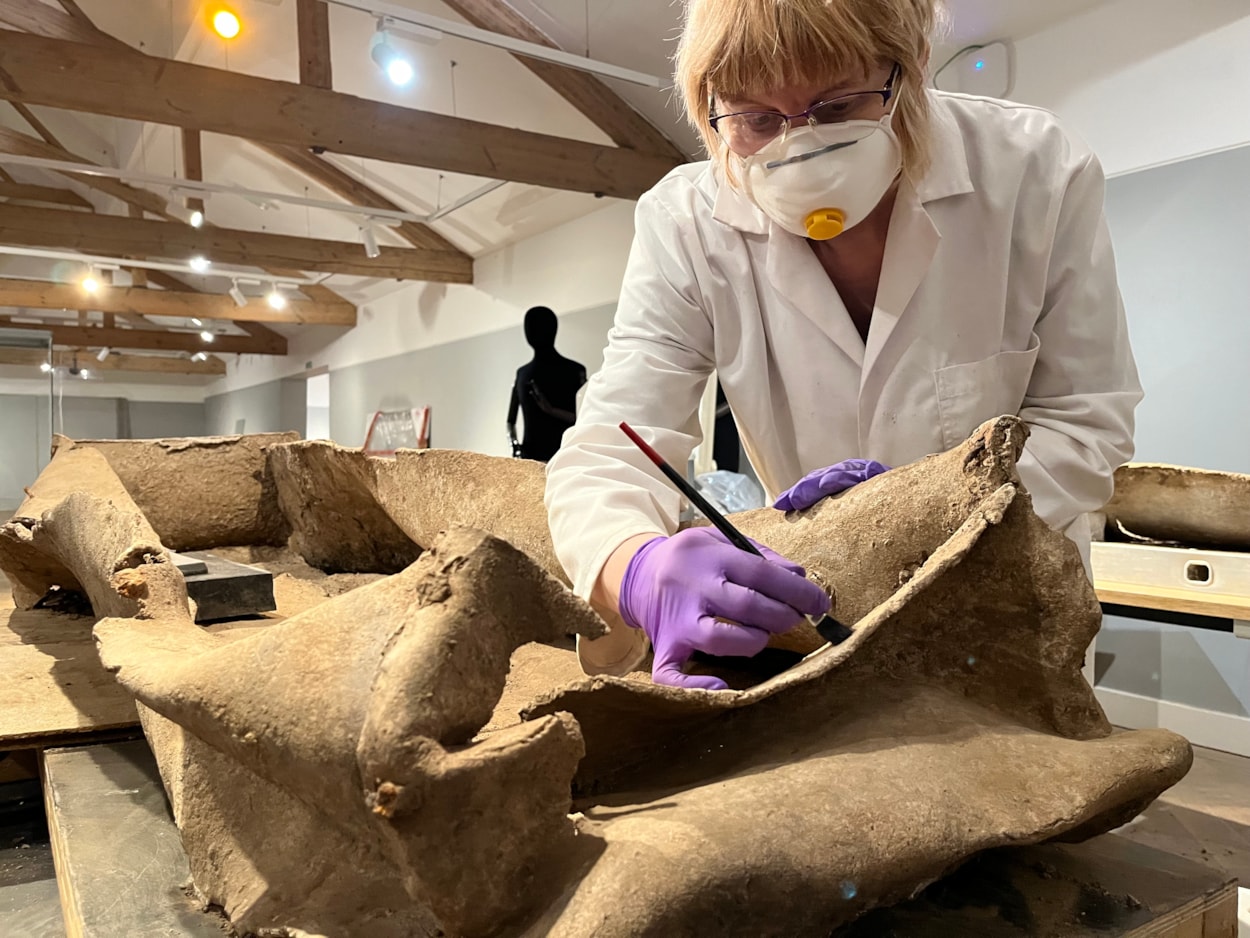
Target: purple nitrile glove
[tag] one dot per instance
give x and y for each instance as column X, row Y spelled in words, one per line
column 677, row 589
column 828, row 481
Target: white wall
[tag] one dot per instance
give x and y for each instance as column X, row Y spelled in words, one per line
column 1152, row 83
column 574, row 267
column 1146, row 82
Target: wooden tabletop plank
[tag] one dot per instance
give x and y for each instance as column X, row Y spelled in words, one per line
column 1170, row 599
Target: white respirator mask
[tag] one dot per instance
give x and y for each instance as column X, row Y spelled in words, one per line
column 818, row 181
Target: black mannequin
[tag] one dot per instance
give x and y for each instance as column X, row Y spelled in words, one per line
column 545, row 390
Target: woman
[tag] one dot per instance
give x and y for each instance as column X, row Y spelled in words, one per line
column 873, row 269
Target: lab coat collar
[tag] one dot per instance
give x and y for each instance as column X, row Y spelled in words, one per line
column 948, row 158
column 947, row 175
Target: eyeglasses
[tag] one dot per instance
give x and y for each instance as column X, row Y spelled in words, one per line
column 748, row 131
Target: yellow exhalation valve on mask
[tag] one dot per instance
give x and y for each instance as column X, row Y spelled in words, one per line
column 825, row 223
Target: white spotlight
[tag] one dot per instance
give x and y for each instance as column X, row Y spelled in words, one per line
column 237, row 295
column 84, row 374
column 207, row 336
column 371, row 240
column 45, row 367
column 398, row 69
column 196, row 322
column 199, row 264
column 200, row 357
column 191, row 216
column 102, row 354
column 91, row 282
column 275, row 298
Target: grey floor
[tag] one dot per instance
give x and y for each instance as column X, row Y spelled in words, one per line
column 1205, row 818
column 29, row 904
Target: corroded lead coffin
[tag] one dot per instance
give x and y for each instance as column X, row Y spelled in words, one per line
column 347, row 771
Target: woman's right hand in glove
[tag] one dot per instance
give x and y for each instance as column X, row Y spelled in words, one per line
column 695, row 591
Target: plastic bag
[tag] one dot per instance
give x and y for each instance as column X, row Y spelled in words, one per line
column 731, row 491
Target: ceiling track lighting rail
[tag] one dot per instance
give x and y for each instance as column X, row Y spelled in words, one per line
column 393, row 13
column 97, row 263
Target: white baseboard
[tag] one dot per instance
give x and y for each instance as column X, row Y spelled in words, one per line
column 1207, row 728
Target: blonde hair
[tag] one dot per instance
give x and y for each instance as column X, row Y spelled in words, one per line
column 740, row 48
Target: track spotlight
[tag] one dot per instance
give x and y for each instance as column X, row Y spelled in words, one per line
column 45, row 367
column 102, row 354
column 199, row 264
column 200, row 357
column 207, row 336
column 84, row 374
column 196, row 322
column 370, row 237
column 190, row 216
column 397, row 68
column 237, row 295
column 91, row 282
column 275, row 298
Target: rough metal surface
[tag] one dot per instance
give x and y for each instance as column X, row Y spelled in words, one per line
column 333, row 773
column 329, row 494
column 353, row 512
column 79, row 530
column 365, row 765
column 201, row 492
column 1176, row 504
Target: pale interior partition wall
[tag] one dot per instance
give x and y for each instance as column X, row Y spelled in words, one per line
column 1182, row 239
column 25, row 425
column 1150, row 83
column 467, row 384
column 317, row 388
column 455, row 348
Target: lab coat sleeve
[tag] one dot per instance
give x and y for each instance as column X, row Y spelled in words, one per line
column 1084, row 387
column 601, row 490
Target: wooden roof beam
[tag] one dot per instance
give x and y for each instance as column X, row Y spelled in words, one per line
column 20, row 144
column 591, row 96
column 151, row 340
column 150, row 364
column 33, row 16
column 116, row 236
column 312, row 19
column 313, row 23
column 46, row 195
column 96, row 80
column 129, row 302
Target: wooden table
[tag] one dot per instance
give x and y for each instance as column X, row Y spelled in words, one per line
column 53, row 688
column 1130, row 581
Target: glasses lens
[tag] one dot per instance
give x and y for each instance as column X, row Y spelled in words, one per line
column 749, row 131
column 851, row 107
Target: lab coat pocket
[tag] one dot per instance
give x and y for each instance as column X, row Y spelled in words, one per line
column 972, row 393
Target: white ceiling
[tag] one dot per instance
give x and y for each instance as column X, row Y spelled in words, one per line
column 489, row 85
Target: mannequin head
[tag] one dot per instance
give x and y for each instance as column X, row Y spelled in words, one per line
column 540, row 328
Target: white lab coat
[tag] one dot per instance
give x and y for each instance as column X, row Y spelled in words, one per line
column 998, row 295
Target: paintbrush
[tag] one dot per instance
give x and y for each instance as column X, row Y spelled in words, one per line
column 830, row 629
